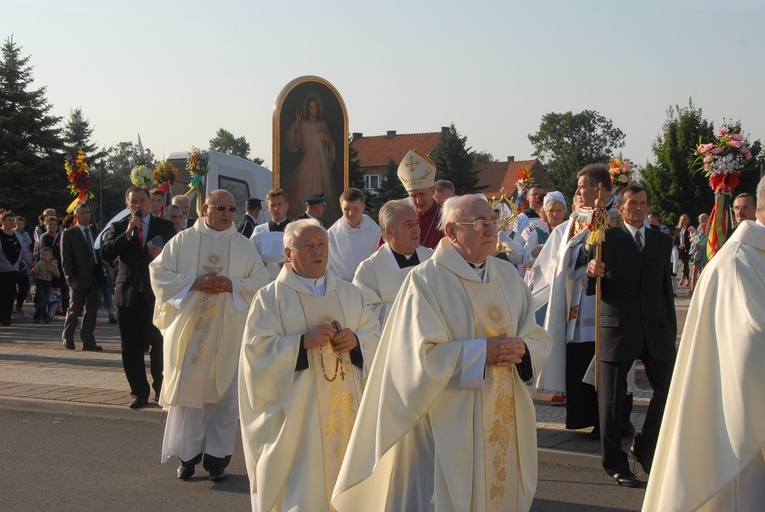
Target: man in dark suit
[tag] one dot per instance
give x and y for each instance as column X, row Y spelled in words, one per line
column 252, row 207
column 184, row 203
column 638, row 321
column 315, row 205
column 82, row 269
column 136, row 240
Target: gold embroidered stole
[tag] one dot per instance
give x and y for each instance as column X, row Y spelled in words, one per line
column 337, row 389
column 500, row 439
column 204, row 323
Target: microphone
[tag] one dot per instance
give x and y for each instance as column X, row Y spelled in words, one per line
column 138, row 214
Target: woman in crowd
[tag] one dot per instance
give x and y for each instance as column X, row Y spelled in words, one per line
column 12, row 254
column 554, row 209
column 698, row 250
column 683, row 235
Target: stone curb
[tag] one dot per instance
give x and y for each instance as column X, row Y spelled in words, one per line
column 151, row 414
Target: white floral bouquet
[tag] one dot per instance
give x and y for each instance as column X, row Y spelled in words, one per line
column 142, row 176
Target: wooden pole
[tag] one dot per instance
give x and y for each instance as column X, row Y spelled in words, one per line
column 598, row 257
column 600, row 205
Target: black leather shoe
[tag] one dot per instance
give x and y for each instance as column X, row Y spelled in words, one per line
column 628, row 430
column 185, row 472
column 137, row 403
column 595, row 434
column 69, row 345
column 91, row 348
column 643, row 462
column 156, row 396
column 626, row 479
column 217, row 473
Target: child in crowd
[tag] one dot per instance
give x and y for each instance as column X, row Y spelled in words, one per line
column 44, row 271
column 53, row 300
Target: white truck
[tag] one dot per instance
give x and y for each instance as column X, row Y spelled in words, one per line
column 239, row 176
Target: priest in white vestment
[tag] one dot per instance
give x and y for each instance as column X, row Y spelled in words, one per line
column 447, row 422
column 268, row 237
column 305, row 351
column 380, row 276
column 353, row 237
column 711, row 449
column 204, row 281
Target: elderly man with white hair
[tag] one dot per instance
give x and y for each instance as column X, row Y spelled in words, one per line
column 305, row 351
column 447, row 421
column 380, row 276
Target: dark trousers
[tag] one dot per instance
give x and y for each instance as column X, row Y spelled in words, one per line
column 581, row 398
column 135, row 328
column 612, row 389
column 23, row 288
column 685, row 259
column 83, row 301
column 42, row 294
column 8, row 283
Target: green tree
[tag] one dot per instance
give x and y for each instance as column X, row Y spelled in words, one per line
column 454, row 162
column 355, row 174
column 390, row 186
column 117, row 164
column 482, row 156
column 673, row 185
column 225, row 142
column 31, row 162
column 77, row 135
column 567, row 142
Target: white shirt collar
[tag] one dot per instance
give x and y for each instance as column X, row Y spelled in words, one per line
column 632, row 229
column 317, row 286
column 211, row 232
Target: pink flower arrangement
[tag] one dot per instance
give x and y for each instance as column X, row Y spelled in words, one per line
column 724, row 156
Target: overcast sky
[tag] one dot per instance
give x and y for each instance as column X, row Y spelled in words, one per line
column 176, row 71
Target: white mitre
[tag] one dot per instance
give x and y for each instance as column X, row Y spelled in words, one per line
column 416, row 171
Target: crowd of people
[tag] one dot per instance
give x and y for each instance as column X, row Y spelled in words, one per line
column 394, row 364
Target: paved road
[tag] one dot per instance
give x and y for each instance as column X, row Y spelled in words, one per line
column 71, row 463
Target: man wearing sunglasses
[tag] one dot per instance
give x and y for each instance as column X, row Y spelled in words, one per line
column 447, row 421
column 204, row 280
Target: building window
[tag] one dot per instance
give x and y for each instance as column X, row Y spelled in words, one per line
column 372, row 181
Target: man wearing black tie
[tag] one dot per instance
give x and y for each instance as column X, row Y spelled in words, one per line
column 638, row 321
column 268, row 237
column 136, row 240
column 83, row 272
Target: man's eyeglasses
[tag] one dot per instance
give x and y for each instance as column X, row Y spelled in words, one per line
column 481, row 224
column 741, row 208
column 222, row 208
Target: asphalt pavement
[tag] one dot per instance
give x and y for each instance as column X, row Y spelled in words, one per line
column 75, row 463
column 37, row 374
